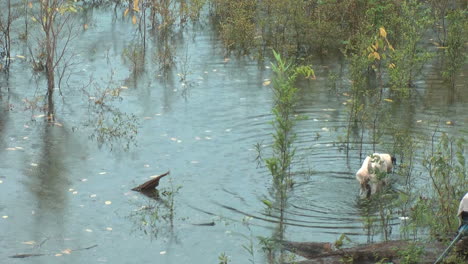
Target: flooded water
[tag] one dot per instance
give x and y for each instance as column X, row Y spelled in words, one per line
column 62, row 193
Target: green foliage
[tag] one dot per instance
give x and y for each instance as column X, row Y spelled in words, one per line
column 446, row 166
column 249, row 248
column 411, row 255
column 456, row 38
column 339, row 243
column 111, row 126
column 408, row 57
column 223, row 258
column 285, row 99
column 237, row 23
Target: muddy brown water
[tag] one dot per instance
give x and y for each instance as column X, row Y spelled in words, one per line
column 62, row 192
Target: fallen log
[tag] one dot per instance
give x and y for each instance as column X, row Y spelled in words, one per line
column 150, row 185
column 391, row 251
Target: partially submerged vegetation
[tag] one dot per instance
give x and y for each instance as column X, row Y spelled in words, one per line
column 385, row 45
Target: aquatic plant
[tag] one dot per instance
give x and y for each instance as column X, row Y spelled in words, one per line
column 111, row 126
column 446, row 165
column 157, row 215
column 409, row 57
column 6, row 21
column 236, row 23
column 55, row 20
column 455, row 52
column 283, row 151
column 284, row 93
column 223, row 258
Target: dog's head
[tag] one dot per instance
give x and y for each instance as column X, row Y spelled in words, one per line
column 365, row 190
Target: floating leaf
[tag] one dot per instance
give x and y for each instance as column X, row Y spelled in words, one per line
column 20, row 56
column 58, row 255
column 126, row 12
column 5, row 216
column 85, row 26
column 449, row 123
column 102, row 173
column 34, row 164
column 162, row 252
column 29, row 242
column 1, row 181
column 75, row 192
column 134, row 20
column 146, row 165
column 419, row 121
column 108, row 202
column 109, row 228
column 10, row 149
column 71, row 190
column 30, row 5
column 266, row 83
column 67, row 251
column 388, row 100
column 88, row 230
column 93, row 195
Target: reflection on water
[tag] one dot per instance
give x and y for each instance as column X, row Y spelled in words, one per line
column 47, row 182
column 60, row 185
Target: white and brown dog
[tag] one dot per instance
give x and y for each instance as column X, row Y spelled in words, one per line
column 372, row 173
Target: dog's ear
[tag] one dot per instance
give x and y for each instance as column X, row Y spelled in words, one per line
column 393, row 160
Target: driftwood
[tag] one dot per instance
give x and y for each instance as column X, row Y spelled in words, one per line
column 150, row 185
column 50, row 254
column 323, row 253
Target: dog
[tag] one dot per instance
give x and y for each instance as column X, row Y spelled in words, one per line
column 372, row 174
